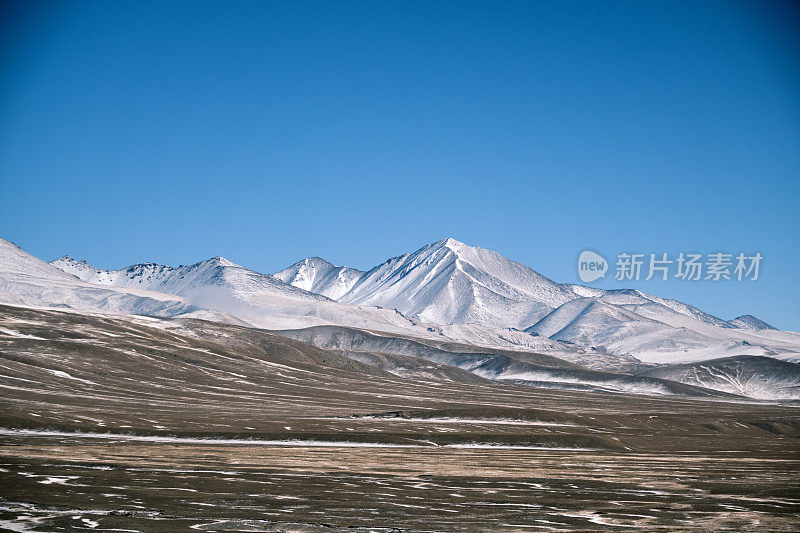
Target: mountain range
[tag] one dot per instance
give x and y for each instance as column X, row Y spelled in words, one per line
column 450, row 283
column 446, row 291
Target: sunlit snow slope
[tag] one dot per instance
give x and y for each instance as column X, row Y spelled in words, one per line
column 258, row 299
column 450, row 283
column 27, row 280
column 319, row 276
column 446, row 290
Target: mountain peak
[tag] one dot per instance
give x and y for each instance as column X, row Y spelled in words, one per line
column 320, row 276
column 14, row 260
column 450, row 282
column 68, row 260
column 220, row 261
column 452, row 243
column 317, row 261
column 750, row 322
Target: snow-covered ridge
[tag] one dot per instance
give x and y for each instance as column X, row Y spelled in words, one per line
column 749, row 322
column 451, row 283
column 27, row 280
column 257, row 299
column 184, row 280
column 446, row 289
column 412, row 283
column 319, row 276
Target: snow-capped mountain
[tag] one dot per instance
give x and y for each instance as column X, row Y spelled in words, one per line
column 444, row 292
column 585, row 320
column 749, row 322
column 188, row 281
column 259, row 300
column 321, row 277
column 449, row 282
column 619, row 329
column 656, row 308
column 29, row 281
column 446, row 289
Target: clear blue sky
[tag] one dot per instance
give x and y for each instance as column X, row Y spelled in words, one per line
column 267, row 131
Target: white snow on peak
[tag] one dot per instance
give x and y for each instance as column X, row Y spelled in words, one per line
column 27, row 280
column 749, row 322
column 446, row 290
column 592, row 322
column 583, row 291
column 449, row 282
column 216, row 275
column 221, row 261
column 583, row 317
column 317, row 275
column 256, row 299
column 453, row 244
column 669, row 311
column 15, row 260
